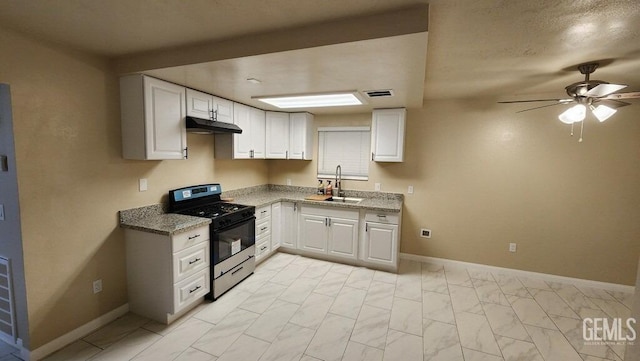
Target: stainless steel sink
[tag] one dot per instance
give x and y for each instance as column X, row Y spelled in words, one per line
column 349, row 200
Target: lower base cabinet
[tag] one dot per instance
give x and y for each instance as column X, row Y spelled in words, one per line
column 167, row 275
column 329, row 231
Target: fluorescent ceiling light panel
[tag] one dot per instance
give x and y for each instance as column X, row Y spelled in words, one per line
column 312, row 100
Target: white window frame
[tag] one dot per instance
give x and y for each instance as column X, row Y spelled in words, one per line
column 363, row 152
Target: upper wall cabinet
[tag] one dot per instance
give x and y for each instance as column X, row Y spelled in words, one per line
column 207, row 106
column 301, row 136
column 250, row 144
column 277, row 135
column 153, row 114
column 387, row 135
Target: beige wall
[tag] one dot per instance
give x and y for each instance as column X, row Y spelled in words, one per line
column 72, row 181
column 485, row 176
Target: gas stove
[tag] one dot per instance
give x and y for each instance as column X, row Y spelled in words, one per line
column 204, row 201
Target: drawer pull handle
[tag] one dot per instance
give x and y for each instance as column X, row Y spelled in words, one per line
column 194, row 237
column 195, row 289
column 382, row 216
column 263, row 248
column 265, row 211
column 264, row 228
column 194, row 261
column 238, row 270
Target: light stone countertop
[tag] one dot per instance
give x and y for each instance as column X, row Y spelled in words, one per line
column 265, row 195
column 155, row 219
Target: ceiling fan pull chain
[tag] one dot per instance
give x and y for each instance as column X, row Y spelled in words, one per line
column 581, row 130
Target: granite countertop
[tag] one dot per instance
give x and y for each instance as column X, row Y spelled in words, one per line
column 154, row 219
column 265, row 195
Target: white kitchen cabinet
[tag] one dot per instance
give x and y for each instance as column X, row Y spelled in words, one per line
column 387, row 135
column 301, row 136
column 199, row 104
column 277, row 135
column 167, row 275
column 313, row 233
column 329, row 231
column 250, row 144
column 263, row 232
column 222, row 110
column 289, row 225
column 152, row 114
column 380, row 246
column 276, row 225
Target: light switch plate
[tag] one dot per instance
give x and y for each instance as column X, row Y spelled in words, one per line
column 378, row 186
column 410, row 190
column 142, row 184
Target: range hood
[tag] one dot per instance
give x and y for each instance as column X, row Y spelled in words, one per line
column 206, row 126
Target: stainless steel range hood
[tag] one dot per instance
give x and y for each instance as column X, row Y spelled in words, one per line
column 206, row 126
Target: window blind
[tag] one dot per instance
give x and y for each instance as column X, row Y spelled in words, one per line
column 349, row 147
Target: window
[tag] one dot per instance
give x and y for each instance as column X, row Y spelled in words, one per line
column 349, row 147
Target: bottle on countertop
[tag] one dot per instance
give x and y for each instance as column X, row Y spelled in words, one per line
column 329, row 190
column 320, row 187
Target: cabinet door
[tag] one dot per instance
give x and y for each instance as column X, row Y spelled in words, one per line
column 289, row 225
column 313, row 233
column 381, row 243
column 199, row 104
column 223, row 109
column 277, row 135
column 242, row 142
column 301, row 136
column 387, row 135
column 343, row 237
column 276, row 225
column 258, row 132
column 165, row 133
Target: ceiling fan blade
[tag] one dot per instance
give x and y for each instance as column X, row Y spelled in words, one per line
column 602, row 90
column 612, row 103
column 543, row 106
column 630, row 95
column 537, row 100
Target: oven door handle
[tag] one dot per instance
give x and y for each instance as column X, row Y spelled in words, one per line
column 236, row 269
column 226, row 227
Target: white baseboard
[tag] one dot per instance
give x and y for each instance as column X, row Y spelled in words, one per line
column 73, row 335
column 521, row 273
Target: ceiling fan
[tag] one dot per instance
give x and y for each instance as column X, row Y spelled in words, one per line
column 597, row 95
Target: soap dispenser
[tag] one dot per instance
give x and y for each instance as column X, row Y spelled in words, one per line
column 329, row 190
column 320, row 187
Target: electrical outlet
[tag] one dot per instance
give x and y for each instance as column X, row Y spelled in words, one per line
column 378, row 186
column 410, row 190
column 288, row 181
column 512, row 247
column 142, row 184
column 97, row 286
column 425, row 233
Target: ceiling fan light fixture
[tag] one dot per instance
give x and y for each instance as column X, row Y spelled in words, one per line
column 602, row 112
column 574, row 114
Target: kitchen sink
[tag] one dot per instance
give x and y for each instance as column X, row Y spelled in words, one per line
column 349, row 200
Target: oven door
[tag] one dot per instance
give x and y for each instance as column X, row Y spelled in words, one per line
column 232, row 239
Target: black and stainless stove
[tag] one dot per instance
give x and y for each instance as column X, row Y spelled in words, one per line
column 232, row 233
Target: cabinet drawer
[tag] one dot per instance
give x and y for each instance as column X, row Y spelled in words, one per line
column 190, row 260
column 382, row 217
column 190, row 289
column 263, row 227
column 187, row 239
column 263, row 248
column 263, row 212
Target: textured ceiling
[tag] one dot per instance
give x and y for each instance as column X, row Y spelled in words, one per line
column 506, row 49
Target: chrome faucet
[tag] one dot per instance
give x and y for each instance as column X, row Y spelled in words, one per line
column 338, row 182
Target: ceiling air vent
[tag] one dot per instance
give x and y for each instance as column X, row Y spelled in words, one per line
column 379, row 93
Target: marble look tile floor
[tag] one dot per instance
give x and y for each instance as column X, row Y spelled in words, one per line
column 301, row 309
